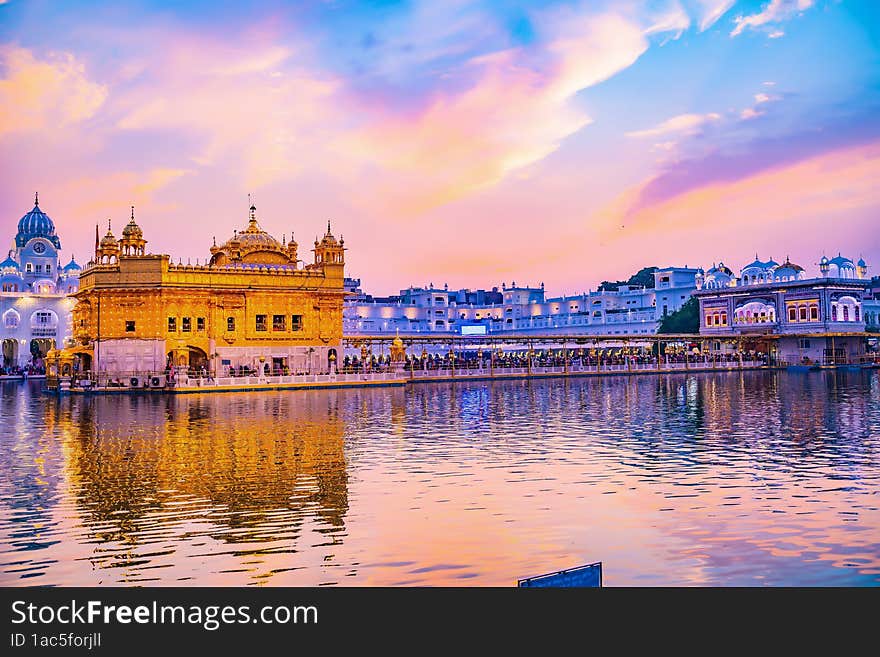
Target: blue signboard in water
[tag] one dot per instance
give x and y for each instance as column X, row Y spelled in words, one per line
column 582, row 576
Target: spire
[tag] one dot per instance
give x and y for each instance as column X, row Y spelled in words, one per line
column 215, row 240
column 108, row 224
column 132, row 214
column 36, row 199
column 328, row 226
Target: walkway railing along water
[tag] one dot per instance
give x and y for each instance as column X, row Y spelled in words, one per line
column 412, row 370
column 579, row 368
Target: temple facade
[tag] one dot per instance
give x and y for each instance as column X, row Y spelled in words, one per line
column 35, row 312
column 254, row 307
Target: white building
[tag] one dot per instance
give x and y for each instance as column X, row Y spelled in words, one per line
column 35, row 311
column 810, row 316
column 522, row 310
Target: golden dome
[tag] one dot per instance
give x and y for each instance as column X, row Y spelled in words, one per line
column 252, row 245
column 132, row 230
column 109, row 239
column 328, row 239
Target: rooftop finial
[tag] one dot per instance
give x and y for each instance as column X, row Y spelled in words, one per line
column 36, row 198
column 108, row 224
column 215, row 240
column 328, row 226
column 132, row 214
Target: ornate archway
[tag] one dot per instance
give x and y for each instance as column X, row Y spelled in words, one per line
column 10, row 352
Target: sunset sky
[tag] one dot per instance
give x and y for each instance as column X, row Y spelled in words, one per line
column 466, row 143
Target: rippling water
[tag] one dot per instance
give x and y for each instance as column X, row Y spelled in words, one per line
column 706, row 479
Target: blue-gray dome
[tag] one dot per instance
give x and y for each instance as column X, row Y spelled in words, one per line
column 720, row 269
column 757, row 264
column 36, row 223
column 9, row 263
column 841, row 262
column 71, row 266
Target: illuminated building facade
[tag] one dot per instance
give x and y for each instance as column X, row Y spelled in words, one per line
column 253, row 307
column 627, row 310
column 35, row 312
column 769, row 298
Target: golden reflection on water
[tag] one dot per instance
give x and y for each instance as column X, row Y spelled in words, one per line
column 742, row 478
column 245, row 471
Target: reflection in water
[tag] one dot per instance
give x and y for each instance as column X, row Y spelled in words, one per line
column 722, row 478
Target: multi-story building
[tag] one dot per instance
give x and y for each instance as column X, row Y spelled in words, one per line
column 253, row 306
column 871, row 306
column 627, row 310
column 811, row 317
column 35, row 310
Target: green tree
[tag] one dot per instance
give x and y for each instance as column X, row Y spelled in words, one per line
column 643, row 278
column 684, row 320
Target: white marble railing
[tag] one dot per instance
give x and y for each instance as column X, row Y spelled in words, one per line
column 256, row 381
column 579, row 369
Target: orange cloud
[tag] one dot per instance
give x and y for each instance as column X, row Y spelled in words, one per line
column 791, row 207
column 45, row 94
column 681, row 124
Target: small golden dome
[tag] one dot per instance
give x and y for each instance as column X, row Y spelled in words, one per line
column 132, row 230
column 109, row 239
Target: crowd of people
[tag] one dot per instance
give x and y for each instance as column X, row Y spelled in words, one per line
column 17, row 370
column 574, row 358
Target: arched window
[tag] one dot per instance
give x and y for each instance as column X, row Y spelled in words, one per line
column 11, row 319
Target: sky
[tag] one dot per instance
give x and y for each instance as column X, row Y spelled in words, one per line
column 451, row 142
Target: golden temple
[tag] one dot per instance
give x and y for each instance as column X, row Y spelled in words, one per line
column 253, row 308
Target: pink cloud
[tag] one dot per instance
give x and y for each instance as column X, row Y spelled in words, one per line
column 682, row 124
column 41, row 94
column 789, row 207
column 513, row 115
